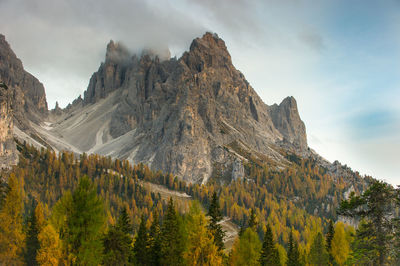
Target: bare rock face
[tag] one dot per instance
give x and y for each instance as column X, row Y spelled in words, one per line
column 8, row 154
column 286, row 119
column 185, row 116
column 28, row 98
column 110, row 75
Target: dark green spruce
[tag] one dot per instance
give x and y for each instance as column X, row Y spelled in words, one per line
column 214, row 225
column 269, row 253
column 117, row 242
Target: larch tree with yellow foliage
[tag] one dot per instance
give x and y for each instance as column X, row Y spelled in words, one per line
column 11, row 233
column 340, row 248
column 50, row 247
column 246, row 249
column 201, row 249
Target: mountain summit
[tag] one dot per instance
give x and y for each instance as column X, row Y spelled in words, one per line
column 195, row 117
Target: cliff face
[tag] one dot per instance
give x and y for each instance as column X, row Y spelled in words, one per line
column 8, row 154
column 190, row 116
column 28, row 97
column 286, row 119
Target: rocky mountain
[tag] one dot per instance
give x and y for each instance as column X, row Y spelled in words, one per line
column 8, row 155
column 190, row 116
column 196, row 116
column 22, row 102
column 28, row 96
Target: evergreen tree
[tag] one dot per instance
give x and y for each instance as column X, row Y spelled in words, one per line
column 201, row 249
column 246, row 249
column 172, row 245
column 141, row 248
column 3, row 191
column 215, row 227
column 363, row 247
column 252, row 220
column 318, row 254
column 396, row 225
column 269, row 253
column 86, row 223
column 154, row 240
column 375, row 205
column 293, row 252
column 328, row 239
column 329, row 235
column 124, row 222
column 117, row 242
column 80, row 219
column 340, row 247
column 50, row 247
column 35, row 224
column 11, row 233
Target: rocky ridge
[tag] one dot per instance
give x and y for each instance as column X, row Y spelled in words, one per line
column 187, row 116
column 8, row 154
column 28, row 97
column 196, row 116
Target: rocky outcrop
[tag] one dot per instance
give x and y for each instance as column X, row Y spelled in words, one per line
column 28, row 97
column 110, row 75
column 8, row 154
column 286, row 119
column 182, row 116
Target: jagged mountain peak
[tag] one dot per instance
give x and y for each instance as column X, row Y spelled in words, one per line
column 207, row 51
column 29, row 97
column 116, row 52
column 194, row 117
column 286, row 119
column 189, row 116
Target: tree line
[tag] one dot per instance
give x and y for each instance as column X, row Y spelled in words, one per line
column 75, row 232
column 48, row 183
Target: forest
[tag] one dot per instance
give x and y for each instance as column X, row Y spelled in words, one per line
column 63, row 209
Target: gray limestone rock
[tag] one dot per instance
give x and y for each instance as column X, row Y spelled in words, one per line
column 8, row 154
column 176, row 114
column 28, row 95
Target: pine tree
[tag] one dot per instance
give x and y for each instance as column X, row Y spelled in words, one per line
column 246, row 249
column 117, row 242
column 340, row 247
column 80, row 219
column 363, row 249
column 215, row 227
column 11, row 233
column 172, row 245
column 293, row 252
column 36, row 222
column 141, row 248
column 252, row 220
column 50, row 247
column 328, row 239
column 201, row 249
column 124, row 222
column 86, row 223
column 329, row 235
column 269, row 254
column 375, row 205
column 396, row 225
column 318, row 254
column 154, row 240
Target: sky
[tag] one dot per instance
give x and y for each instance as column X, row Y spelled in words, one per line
column 339, row 59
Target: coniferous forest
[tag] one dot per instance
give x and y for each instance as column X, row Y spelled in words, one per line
column 63, row 209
